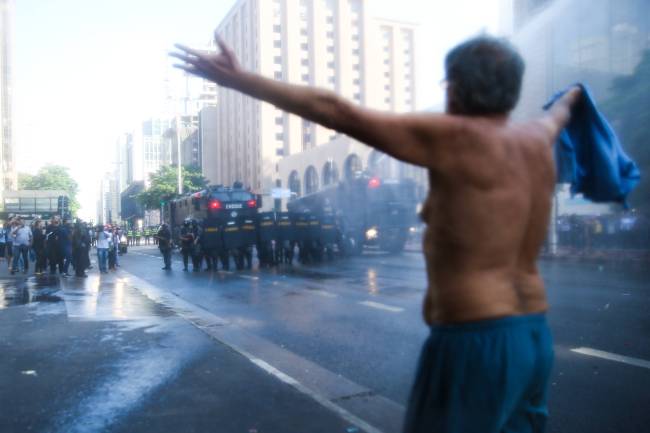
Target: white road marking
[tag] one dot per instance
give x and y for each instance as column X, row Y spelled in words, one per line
column 158, row 296
column 349, row 417
column 384, row 307
column 324, row 294
column 612, row 357
column 249, row 277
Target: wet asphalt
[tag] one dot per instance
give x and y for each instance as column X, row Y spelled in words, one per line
column 292, row 349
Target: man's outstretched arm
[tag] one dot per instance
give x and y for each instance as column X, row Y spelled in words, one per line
column 557, row 117
column 409, row 137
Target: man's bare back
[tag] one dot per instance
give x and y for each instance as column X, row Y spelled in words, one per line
column 486, row 364
column 487, row 215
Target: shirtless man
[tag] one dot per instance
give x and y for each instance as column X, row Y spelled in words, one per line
column 486, row 363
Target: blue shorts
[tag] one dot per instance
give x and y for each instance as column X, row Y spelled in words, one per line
column 489, row 376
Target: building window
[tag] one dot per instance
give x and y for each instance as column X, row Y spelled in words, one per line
column 305, row 78
column 329, row 35
column 277, row 75
column 304, row 62
column 303, row 32
column 277, row 28
column 304, row 46
column 277, row 44
column 279, row 136
column 279, row 120
column 277, row 60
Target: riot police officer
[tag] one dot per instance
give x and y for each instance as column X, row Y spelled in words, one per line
column 164, row 237
column 187, row 242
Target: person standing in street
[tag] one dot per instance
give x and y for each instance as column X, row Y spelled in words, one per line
column 55, row 256
column 164, row 237
column 187, row 241
column 65, row 246
column 38, row 246
column 103, row 244
column 10, row 242
column 3, row 241
column 22, row 240
column 80, row 248
column 486, row 364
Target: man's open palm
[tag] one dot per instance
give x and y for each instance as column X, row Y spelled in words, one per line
column 221, row 68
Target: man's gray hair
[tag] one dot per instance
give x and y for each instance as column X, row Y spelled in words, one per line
column 485, row 76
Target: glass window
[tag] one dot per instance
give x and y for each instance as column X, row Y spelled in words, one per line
column 44, row 204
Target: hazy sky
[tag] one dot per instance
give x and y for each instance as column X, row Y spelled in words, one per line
column 88, row 70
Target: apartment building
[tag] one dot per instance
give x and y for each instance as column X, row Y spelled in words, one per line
column 327, row 43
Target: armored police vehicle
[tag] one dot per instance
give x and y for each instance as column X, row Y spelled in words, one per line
column 365, row 211
column 227, row 217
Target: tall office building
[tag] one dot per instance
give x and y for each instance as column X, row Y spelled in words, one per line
column 326, row 43
column 8, row 180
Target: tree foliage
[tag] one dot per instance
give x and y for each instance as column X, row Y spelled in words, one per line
column 52, row 177
column 164, row 185
column 629, row 110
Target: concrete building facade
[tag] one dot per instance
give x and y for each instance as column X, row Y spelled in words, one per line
column 562, row 44
column 8, row 179
column 332, row 44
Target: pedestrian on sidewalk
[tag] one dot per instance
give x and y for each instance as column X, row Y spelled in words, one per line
column 486, row 364
column 38, row 246
column 164, row 237
column 103, row 244
column 22, row 242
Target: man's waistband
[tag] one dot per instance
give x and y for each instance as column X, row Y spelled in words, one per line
column 482, row 325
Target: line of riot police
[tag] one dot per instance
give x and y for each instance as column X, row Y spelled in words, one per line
column 276, row 237
column 222, row 225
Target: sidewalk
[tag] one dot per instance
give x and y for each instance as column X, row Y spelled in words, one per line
column 96, row 355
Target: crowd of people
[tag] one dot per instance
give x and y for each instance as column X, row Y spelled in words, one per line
column 58, row 246
column 629, row 231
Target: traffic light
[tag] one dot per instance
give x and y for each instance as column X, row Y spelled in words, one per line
column 63, row 206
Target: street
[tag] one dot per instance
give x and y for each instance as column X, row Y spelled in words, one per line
column 322, row 348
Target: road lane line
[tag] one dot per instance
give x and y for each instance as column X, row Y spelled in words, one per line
column 384, row 307
column 196, row 315
column 324, row 294
column 612, row 357
column 249, row 277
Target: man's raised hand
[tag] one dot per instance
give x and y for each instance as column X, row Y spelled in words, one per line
column 222, row 68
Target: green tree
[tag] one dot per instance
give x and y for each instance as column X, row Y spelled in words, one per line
column 629, row 111
column 52, row 177
column 164, row 185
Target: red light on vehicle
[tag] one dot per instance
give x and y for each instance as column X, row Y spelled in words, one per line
column 374, row 183
column 251, row 203
column 215, row 205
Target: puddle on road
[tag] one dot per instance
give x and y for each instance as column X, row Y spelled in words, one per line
column 15, row 293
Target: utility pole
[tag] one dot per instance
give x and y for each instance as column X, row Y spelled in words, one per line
column 178, row 152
